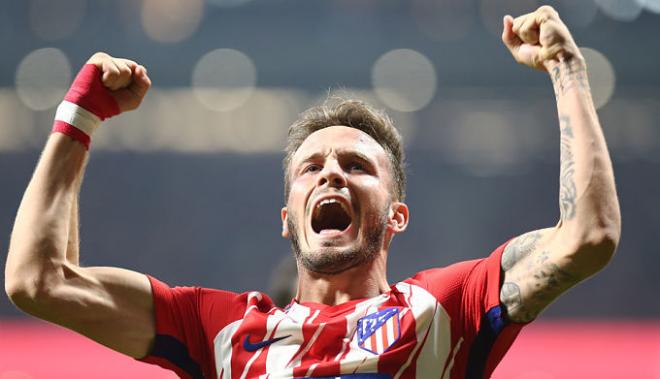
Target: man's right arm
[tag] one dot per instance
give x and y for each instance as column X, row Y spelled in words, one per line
column 42, row 277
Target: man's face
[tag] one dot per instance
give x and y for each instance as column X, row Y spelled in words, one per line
column 339, row 204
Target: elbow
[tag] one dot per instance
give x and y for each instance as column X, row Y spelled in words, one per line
column 605, row 238
column 30, row 292
column 605, row 243
column 23, row 292
column 595, row 239
column 596, row 249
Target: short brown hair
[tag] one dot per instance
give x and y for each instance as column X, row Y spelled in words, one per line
column 355, row 114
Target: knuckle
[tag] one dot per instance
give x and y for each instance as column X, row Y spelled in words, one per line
column 100, row 55
column 548, row 12
column 123, row 62
column 547, row 9
column 98, row 58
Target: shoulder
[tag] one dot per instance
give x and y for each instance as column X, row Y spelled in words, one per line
column 475, row 277
column 451, row 275
column 207, row 303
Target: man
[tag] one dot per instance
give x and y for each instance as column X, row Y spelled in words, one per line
column 345, row 187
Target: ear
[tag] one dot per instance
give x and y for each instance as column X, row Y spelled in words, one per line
column 285, row 225
column 398, row 217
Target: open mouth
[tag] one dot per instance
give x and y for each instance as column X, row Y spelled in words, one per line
column 330, row 215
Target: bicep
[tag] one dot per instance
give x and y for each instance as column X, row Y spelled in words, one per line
column 112, row 306
column 536, row 270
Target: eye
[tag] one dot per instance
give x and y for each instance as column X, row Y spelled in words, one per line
column 312, row 168
column 353, row 166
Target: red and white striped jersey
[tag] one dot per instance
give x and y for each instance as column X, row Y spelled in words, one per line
column 441, row 323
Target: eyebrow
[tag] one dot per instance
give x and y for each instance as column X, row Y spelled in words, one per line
column 341, row 153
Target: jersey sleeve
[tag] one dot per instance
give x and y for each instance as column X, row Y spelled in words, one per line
column 470, row 293
column 181, row 342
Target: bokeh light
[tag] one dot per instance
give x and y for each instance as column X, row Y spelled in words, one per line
column 621, row 10
column 404, row 79
column 171, row 20
column 444, row 20
column 42, row 78
column 55, row 20
column 576, row 13
column 224, row 79
column 652, row 5
column 602, row 78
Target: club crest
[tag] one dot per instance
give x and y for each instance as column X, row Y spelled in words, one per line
column 378, row 331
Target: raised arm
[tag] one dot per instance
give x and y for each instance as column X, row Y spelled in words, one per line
column 541, row 265
column 42, row 276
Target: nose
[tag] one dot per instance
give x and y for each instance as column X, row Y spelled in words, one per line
column 332, row 175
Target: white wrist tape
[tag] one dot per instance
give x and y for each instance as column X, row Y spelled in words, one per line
column 78, row 117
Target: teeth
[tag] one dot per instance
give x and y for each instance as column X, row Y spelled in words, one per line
column 326, row 201
column 331, row 201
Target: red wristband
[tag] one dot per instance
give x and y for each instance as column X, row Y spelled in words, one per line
column 73, row 132
column 88, row 91
column 85, row 105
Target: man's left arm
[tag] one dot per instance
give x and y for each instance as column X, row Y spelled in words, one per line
column 539, row 266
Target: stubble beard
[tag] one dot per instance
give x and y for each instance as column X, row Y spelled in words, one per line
column 334, row 260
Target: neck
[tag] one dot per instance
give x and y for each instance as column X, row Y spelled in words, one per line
column 363, row 281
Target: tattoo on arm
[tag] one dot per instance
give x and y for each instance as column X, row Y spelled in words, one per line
column 550, row 281
column 528, row 289
column 512, row 303
column 518, row 248
column 569, row 74
column 567, row 190
column 540, row 287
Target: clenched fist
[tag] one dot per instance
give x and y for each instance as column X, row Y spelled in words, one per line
column 539, row 39
column 127, row 81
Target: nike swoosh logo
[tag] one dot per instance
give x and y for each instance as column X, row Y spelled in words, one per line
column 252, row 347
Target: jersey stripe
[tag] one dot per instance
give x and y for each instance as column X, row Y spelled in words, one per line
column 298, row 358
column 280, row 355
column 435, row 353
column 429, row 325
column 222, row 347
column 450, row 364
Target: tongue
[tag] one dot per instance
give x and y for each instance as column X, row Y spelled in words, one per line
column 329, row 231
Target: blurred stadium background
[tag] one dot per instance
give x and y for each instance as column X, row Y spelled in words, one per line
column 189, row 187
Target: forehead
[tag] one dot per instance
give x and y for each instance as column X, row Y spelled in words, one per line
column 341, row 139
